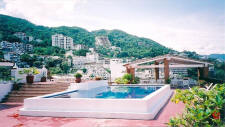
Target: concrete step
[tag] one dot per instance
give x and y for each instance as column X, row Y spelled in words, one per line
column 33, row 92
column 37, row 89
column 43, row 86
column 44, row 89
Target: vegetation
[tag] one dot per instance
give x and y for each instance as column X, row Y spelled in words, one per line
column 78, row 75
column 51, row 51
column 58, row 66
column 127, row 79
column 130, row 45
column 29, row 71
column 81, row 52
column 5, row 73
column 203, row 108
column 32, row 61
column 1, row 55
column 217, row 56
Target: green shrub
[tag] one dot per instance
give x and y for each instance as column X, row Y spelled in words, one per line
column 29, row 71
column 203, row 108
column 136, row 80
column 121, row 81
column 78, row 75
column 128, row 77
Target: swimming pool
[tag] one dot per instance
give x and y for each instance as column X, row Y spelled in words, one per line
column 96, row 99
column 112, row 92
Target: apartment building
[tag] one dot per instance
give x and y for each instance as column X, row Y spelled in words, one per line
column 62, row 41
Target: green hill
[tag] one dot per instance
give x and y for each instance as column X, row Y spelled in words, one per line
column 131, row 46
column 217, row 56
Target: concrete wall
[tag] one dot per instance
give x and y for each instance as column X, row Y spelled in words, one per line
column 5, row 88
column 117, row 70
column 22, row 77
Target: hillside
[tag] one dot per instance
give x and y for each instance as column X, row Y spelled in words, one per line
column 131, row 46
column 217, row 56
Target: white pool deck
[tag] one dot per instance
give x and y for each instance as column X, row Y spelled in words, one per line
column 140, row 108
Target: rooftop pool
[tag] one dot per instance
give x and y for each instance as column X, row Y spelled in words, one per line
column 112, row 92
column 99, row 100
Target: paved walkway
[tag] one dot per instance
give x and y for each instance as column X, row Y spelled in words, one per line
column 9, row 118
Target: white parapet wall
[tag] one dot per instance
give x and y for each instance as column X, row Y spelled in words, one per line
column 5, row 88
column 22, row 77
column 84, row 106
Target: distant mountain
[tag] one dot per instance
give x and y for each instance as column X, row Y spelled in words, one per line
column 131, row 46
column 217, row 56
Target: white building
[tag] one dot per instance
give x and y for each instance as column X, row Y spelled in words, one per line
column 62, row 41
column 92, row 56
column 30, row 38
column 97, row 70
column 20, row 35
column 79, row 62
column 91, row 49
column 79, row 47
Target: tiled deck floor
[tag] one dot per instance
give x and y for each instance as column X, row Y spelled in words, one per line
column 9, row 118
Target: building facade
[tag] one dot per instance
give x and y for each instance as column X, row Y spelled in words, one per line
column 62, row 41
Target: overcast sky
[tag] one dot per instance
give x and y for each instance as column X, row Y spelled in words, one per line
column 195, row 25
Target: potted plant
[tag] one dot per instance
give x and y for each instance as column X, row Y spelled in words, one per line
column 78, row 77
column 43, row 78
column 30, row 72
column 98, row 78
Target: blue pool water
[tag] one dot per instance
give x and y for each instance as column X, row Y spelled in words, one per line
column 127, row 92
column 113, row 92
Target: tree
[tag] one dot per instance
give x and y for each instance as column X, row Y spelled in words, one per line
column 65, row 67
column 81, row 52
column 1, row 55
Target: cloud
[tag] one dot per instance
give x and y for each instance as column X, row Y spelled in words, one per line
column 198, row 31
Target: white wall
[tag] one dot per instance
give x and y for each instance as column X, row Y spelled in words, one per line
column 117, row 70
column 5, row 88
column 37, row 78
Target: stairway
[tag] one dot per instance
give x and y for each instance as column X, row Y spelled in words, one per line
column 36, row 89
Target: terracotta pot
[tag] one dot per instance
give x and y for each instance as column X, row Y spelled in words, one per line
column 30, row 79
column 43, row 79
column 78, row 80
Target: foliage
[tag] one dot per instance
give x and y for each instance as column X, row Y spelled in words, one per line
column 121, row 81
column 203, row 108
column 131, row 46
column 219, row 70
column 1, row 55
column 5, row 73
column 168, row 81
column 78, row 75
column 84, row 70
column 136, row 80
column 127, row 79
column 32, row 60
column 55, row 70
column 51, row 51
column 202, row 83
column 108, row 70
column 81, row 52
column 65, row 67
column 30, row 71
